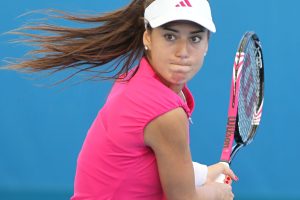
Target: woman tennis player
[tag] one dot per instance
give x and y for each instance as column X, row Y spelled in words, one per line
column 138, row 146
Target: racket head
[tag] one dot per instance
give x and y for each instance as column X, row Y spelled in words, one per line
column 246, row 96
column 251, row 89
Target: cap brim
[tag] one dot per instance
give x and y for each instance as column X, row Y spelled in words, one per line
column 154, row 23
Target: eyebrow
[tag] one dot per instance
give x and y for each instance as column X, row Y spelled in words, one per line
column 201, row 30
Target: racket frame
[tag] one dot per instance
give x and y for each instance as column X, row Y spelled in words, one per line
column 232, row 130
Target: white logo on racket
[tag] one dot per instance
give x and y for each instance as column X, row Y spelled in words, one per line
column 257, row 115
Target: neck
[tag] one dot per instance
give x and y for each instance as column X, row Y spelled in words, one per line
column 176, row 88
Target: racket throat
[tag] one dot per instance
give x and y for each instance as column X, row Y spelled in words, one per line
column 235, row 149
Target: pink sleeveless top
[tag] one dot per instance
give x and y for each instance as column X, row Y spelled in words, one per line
column 114, row 162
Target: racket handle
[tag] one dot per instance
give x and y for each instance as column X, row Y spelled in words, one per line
column 221, row 178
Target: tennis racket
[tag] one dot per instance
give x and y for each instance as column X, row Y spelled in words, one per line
column 246, row 98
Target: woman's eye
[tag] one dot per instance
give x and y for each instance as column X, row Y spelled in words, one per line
column 196, row 39
column 169, row 37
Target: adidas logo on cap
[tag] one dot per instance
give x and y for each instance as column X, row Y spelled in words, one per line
column 160, row 12
column 184, row 3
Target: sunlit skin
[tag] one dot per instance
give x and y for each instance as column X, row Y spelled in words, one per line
column 176, row 51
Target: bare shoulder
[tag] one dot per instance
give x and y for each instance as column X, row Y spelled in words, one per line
column 171, row 128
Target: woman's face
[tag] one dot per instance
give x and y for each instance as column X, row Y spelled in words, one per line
column 176, row 51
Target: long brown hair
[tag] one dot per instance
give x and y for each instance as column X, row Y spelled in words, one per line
column 116, row 41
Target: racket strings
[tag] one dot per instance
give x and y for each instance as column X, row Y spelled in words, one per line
column 249, row 92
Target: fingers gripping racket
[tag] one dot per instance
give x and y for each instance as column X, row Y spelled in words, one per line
column 246, row 97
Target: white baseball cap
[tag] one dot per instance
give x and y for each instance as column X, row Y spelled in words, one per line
column 160, row 12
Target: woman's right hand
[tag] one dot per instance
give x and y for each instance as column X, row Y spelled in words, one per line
column 215, row 191
column 214, row 171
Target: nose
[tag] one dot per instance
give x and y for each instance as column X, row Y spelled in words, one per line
column 182, row 49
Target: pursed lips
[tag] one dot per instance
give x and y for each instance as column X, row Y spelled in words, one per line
column 180, row 67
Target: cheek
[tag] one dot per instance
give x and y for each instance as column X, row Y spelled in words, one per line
column 199, row 62
column 197, row 66
column 159, row 58
column 158, row 63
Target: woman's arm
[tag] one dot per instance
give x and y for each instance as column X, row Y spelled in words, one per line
column 168, row 136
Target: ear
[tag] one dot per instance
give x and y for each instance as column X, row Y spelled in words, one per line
column 147, row 39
